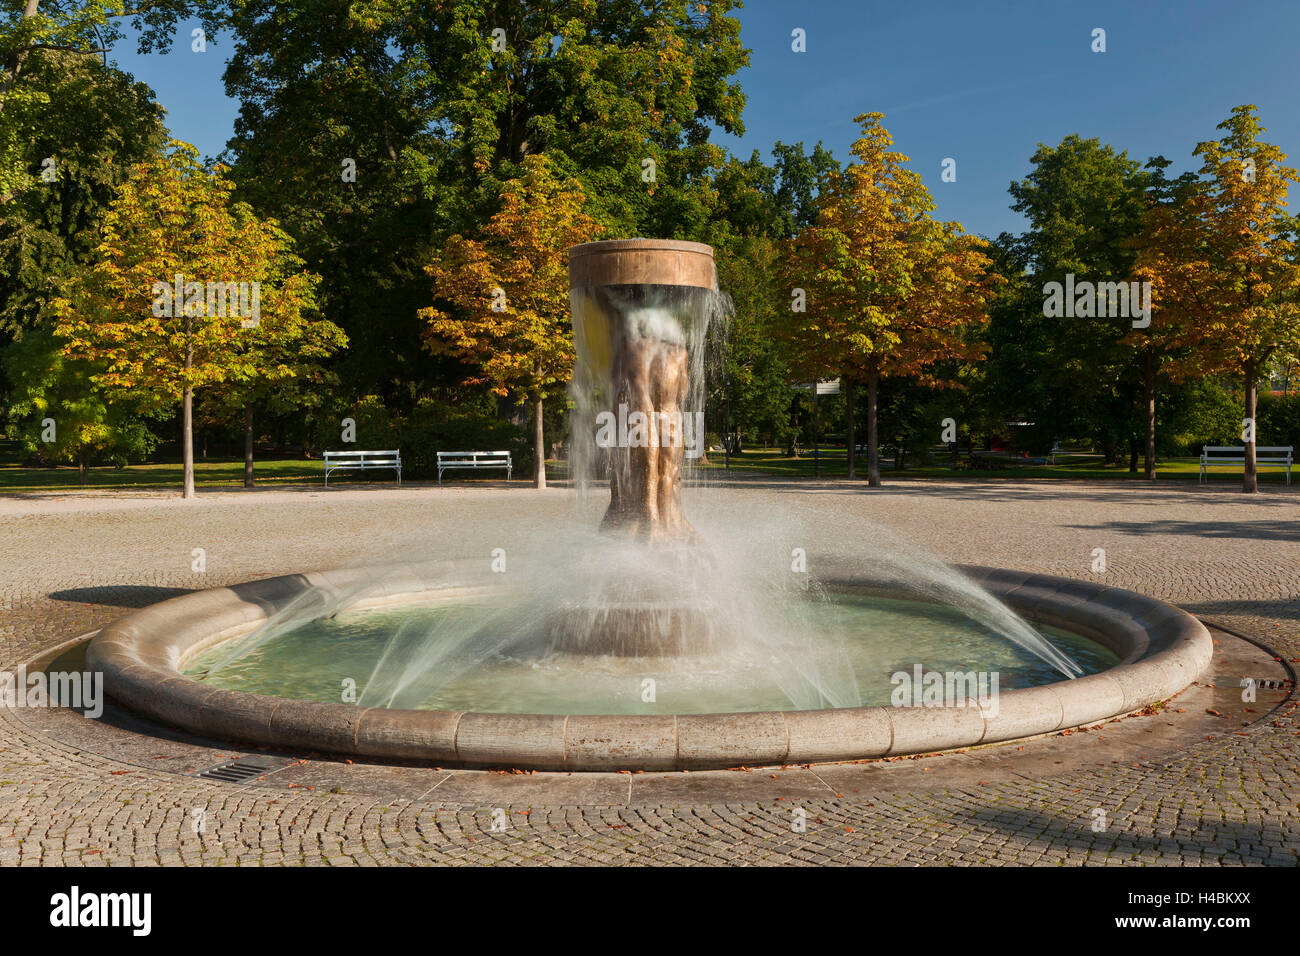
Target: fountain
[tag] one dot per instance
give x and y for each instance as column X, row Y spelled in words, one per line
column 747, row 658
column 640, row 308
column 641, row 312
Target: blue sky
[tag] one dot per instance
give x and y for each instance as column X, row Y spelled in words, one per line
column 980, row 81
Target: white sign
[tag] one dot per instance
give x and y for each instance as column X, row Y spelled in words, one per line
column 823, row 388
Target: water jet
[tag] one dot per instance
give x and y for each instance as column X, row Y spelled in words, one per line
column 747, row 659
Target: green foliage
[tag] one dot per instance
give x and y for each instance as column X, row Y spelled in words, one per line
column 88, row 429
column 758, row 204
column 84, row 30
column 93, row 26
column 776, row 201
column 97, row 123
column 1073, row 377
column 437, row 120
column 910, row 419
column 755, row 379
column 1278, row 419
column 432, row 427
column 428, row 428
column 1201, row 411
column 174, row 217
column 437, row 116
column 1084, row 202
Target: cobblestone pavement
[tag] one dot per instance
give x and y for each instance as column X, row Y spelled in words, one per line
column 71, row 563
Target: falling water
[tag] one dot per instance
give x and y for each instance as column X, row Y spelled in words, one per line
column 646, row 349
column 646, row 591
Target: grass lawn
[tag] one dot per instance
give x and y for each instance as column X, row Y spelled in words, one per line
column 834, row 463
column 756, row 461
column 168, row 474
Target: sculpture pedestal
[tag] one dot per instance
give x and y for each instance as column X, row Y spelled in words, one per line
column 641, row 308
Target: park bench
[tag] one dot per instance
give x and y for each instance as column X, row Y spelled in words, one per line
column 473, row 460
column 1236, row 455
column 361, row 461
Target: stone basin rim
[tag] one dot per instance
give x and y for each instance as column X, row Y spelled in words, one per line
column 1162, row 649
column 639, row 245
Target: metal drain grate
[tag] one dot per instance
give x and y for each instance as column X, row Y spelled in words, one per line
column 1269, row 683
column 243, row 769
column 1261, row 683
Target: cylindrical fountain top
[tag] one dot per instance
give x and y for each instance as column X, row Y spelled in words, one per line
column 642, row 262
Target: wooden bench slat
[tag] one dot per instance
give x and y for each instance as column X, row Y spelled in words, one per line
column 473, row 460
column 361, row 460
column 1281, row 456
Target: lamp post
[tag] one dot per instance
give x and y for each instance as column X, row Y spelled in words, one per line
column 726, row 441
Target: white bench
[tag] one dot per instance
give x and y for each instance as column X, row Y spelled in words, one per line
column 1236, row 455
column 473, row 460
column 361, row 461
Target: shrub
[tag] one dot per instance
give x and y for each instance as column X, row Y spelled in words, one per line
column 433, row 427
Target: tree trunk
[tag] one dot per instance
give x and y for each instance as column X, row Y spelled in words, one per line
column 248, row 445
column 1250, row 479
column 539, row 445
column 187, row 442
column 83, row 469
column 873, row 433
column 1133, row 452
column 1149, row 383
column 848, row 404
column 187, row 414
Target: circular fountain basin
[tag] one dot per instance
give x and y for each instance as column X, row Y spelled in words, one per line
column 889, row 636
column 1147, row 651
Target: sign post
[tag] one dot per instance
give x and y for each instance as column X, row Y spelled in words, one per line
column 819, row 388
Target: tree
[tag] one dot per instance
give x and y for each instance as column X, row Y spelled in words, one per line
column 337, row 140
column 95, row 125
column 754, row 394
column 1157, row 244
column 76, row 29
column 1011, row 384
column 508, row 293
column 757, row 200
column 890, row 291
column 1229, row 269
column 910, row 413
column 183, row 276
column 277, row 359
column 601, row 88
column 757, row 206
column 436, row 105
column 1085, row 204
